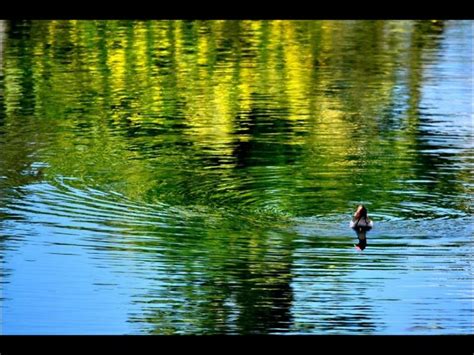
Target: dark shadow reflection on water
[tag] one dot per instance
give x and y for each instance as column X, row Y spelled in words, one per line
column 243, row 288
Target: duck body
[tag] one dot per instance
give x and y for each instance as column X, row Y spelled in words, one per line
column 363, row 224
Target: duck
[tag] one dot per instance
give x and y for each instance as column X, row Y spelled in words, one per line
column 361, row 222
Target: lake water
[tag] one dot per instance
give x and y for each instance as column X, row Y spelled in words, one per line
column 198, row 177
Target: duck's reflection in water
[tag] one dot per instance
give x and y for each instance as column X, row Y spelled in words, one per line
column 362, row 236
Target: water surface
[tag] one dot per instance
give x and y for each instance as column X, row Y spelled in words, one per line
column 198, row 177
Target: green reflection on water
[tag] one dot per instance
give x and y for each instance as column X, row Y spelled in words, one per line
column 294, row 116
